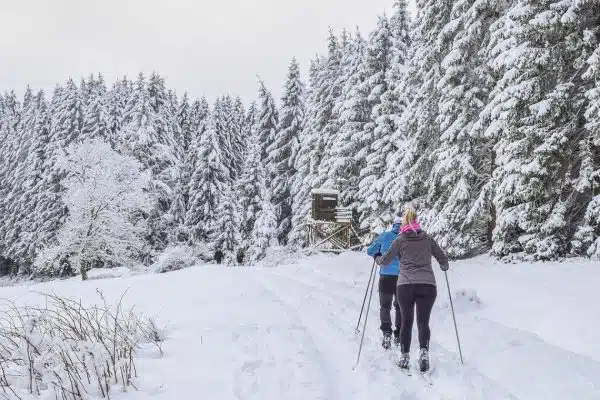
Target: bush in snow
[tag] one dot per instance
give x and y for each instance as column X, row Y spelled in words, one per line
column 466, row 300
column 284, row 255
column 174, row 258
column 264, row 234
column 106, row 194
column 65, row 350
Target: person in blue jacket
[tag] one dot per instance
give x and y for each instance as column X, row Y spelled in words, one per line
column 388, row 278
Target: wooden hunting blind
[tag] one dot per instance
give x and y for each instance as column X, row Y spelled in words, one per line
column 330, row 227
column 324, row 203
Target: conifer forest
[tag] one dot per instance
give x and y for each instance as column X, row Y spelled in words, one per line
column 483, row 114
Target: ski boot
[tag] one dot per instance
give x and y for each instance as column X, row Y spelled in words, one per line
column 386, row 342
column 404, row 362
column 424, row 360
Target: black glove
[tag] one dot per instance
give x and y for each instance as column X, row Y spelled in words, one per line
column 444, row 267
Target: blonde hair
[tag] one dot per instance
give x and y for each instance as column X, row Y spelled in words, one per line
column 410, row 215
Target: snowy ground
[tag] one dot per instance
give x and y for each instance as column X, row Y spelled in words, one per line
column 288, row 332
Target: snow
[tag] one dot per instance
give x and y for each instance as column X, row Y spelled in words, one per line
column 528, row 331
column 326, row 192
column 110, row 273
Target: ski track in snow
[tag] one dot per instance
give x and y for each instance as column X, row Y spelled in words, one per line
column 450, row 382
column 322, row 318
column 489, row 349
column 299, row 365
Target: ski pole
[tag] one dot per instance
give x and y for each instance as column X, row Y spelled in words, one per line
column 366, row 318
column 365, row 298
column 454, row 318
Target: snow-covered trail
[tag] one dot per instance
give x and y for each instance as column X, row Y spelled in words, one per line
column 288, row 332
column 501, row 361
column 332, row 312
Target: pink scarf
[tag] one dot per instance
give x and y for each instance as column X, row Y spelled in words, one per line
column 413, row 226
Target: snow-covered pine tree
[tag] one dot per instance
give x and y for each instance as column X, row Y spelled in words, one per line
column 96, row 120
column 395, row 100
column 251, row 120
column 229, row 117
column 172, row 114
column 239, row 136
column 318, row 136
column 586, row 240
column 302, row 182
column 149, row 137
column 248, row 190
column 344, row 161
column 267, row 120
column 105, row 191
column 193, row 123
column 536, row 116
column 31, row 190
column 323, row 121
column 199, row 114
column 117, row 104
column 165, row 122
column 223, row 117
column 418, row 132
column 462, row 161
column 185, row 123
column 376, row 136
column 208, row 187
column 66, row 123
column 67, row 117
column 183, row 139
column 16, row 205
column 9, row 146
column 280, row 152
column 225, row 232
column 264, row 234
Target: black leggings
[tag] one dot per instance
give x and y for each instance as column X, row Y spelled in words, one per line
column 387, row 297
column 423, row 296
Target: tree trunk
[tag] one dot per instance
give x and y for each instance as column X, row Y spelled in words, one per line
column 84, row 270
column 492, row 220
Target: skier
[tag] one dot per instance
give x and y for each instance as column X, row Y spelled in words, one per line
column 388, row 278
column 416, row 283
column 218, row 256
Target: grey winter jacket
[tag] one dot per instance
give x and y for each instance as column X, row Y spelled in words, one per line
column 414, row 250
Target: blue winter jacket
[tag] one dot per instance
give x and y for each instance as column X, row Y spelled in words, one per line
column 381, row 245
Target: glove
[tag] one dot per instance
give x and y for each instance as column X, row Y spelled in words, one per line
column 377, row 257
column 444, row 267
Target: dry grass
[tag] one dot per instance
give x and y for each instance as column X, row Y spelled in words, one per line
column 70, row 350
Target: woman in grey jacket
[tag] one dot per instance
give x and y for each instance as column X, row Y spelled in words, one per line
column 416, row 283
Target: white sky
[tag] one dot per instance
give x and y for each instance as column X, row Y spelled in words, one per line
column 207, row 47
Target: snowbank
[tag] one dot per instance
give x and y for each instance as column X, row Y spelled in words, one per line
column 279, row 256
column 110, row 273
column 465, row 300
column 175, row 258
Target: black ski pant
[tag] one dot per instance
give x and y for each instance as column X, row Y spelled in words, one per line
column 423, row 296
column 387, row 297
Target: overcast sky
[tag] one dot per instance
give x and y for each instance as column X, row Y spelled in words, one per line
column 207, row 47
